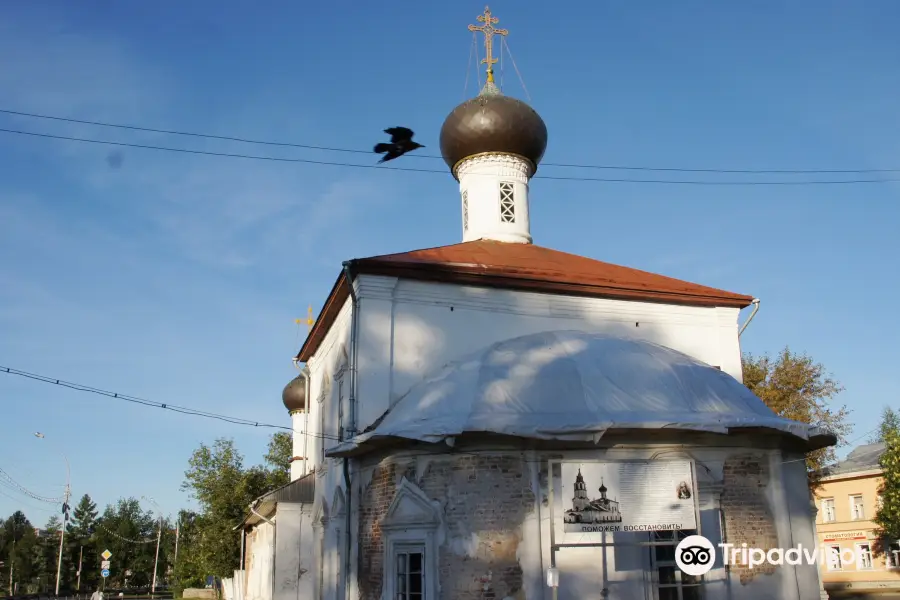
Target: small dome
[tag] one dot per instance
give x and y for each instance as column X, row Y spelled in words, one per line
column 602, row 487
column 492, row 122
column 294, row 394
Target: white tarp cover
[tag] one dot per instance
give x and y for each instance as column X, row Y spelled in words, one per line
column 574, row 385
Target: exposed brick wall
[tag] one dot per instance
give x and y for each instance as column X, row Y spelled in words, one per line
column 745, row 508
column 488, row 496
column 376, row 499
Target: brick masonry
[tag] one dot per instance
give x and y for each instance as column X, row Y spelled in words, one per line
column 745, row 508
column 489, row 496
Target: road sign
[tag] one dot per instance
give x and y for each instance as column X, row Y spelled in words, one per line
column 106, row 554
column 104, row 564
column 104, row 573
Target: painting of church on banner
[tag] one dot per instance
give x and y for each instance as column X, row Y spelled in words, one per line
column 602, row 497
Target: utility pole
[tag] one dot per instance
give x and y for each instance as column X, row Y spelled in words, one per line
column 80, row 556
column 12, row 559
column 177, row 534
column 156, row 562
column 62, row 532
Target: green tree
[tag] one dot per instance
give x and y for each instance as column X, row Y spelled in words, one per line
column 890, row 421
column 17, row 547
column 188, row 571
column 798, row 388
column 278, row 459
column 130, row 534
column 224, row 488
column 82, row 548
column 887, row 516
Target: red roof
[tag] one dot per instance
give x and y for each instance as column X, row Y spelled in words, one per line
column 523, row 267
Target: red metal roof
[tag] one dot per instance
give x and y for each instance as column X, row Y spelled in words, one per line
column 525, row 267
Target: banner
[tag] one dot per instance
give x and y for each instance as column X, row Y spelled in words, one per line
column 598, row 497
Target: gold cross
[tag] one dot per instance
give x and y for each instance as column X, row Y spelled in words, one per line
column 309, row 319
column 489, row 31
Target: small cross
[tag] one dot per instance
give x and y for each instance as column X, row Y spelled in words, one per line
column 309, row 319
column 489, row 31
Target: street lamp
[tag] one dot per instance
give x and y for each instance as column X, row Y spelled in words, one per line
column 158, row 538
column 65, row 510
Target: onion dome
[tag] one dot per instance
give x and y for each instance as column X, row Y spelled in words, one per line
column 602, row 487
column 493, row 123
column 294, row 394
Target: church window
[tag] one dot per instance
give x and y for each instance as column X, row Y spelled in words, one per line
column 409, row 562
column 465, row 197
column 507, row 202
column 671, row 582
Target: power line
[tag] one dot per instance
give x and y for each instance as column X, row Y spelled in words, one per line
column 143, row 401
column 418, row 156
column 22, row 489
column 442, row 171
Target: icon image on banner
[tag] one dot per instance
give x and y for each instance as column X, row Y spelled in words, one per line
column 104, row 573
column 695, row 555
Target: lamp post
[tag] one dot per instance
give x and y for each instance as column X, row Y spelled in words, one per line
column 158, row 538
column 65, row 510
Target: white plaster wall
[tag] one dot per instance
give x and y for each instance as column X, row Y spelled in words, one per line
column 409, row 329
column 259, row 576
column 327, row 362
column 294, row 552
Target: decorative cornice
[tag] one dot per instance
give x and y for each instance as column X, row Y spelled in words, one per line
column 519, row 164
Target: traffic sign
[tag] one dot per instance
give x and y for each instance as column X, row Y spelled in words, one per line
column 104, row 573
column 106, row 554
column 104, row 564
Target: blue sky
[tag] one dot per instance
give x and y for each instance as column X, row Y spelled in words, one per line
column 177, row 278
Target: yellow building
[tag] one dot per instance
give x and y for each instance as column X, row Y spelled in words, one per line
column 847, row 501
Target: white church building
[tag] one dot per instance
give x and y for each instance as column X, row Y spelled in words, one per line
column 456, row 403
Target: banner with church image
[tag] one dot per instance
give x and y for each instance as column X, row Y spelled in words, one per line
column 626, row 496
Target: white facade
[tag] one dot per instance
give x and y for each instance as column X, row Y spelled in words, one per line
column 494, row 195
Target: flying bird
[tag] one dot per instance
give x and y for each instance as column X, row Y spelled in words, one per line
column 401, row 143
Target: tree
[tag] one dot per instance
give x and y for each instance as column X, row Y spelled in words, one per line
column 887, row 516
column 278, row 458
column 82, row 550
column 224, row 488
column 18, row 548
column 890, row 421
column 798, row 388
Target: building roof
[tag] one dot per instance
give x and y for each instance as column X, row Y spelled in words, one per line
column 576, row 386
column 862, row 458
column 299, row 491
column 525, row 267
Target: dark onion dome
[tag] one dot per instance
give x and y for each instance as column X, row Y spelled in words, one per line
column 294, row 394
column 492, row 122
column 602, row 487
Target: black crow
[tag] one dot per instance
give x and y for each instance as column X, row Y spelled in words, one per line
column 401, row 143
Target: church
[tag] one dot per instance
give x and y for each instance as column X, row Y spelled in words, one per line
column 456, row 404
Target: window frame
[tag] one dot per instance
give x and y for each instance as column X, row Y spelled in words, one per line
column 860, row 554
column 411, row 521
column 854, row 505
column 507, row 202
column 408, row 548
column 465, row 210
column 838, row 564
column 656, row 564
column 826, row 504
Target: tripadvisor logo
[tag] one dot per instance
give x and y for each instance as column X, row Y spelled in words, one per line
column 695, row 555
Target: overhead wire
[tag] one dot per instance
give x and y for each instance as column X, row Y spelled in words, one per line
column 416, row 156
column 238, row 421
column 443, row 171
column 24, row 490
column 151, row 403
